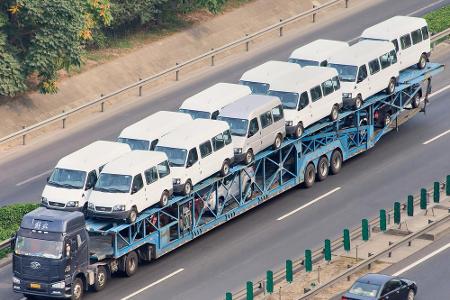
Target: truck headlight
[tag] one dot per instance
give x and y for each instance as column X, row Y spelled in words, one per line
column 289, row 123
column 44, row 200
column 91, row 205
column 15, row 280
column 59, row 285
column 72, row 204
column 347, row 95
column 237, row 150
column 119, row 207
column 176, row 181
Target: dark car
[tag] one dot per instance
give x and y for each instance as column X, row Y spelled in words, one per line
column 381, row 287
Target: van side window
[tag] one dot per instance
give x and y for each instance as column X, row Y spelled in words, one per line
column 253, row 128
column 425, row 34
column 395, row 42
column 405, row 41
column 266, row 119
column 416, row 36
column 214, row 115
column 227, row 137
column 304, row 101
column 316, row 93
column 92, row 179
column 153, row 144
column 218, row 142
column 163, row 169
column 374, row 66
column 362, row 73
column 205, row 149
column 385, row 60
column 138, row 184
column 327, row 87
column 393, row 57
column 277, row 113
column 192, row 156
column 336, row 83
column 151, row 175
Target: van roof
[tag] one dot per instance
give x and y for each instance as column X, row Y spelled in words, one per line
column 304, row 79
column 134, row 162
column 215, row 97
column 318, row 50
column 393, row 28
column 266, row 72
column 93, row 156
column 361, row 52
column 246, row 106
column 155, row 125
column 193, row 133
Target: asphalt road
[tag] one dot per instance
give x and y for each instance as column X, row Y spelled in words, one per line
column 248, row 246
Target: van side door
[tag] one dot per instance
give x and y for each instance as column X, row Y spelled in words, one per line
column 326, row 104
column 165, row 180
column 316, row 103
column 253, row 140
column 406, row 52
column 138, row 193
column 209, row 160
column 193, row 167
column 279, row 124
column 267, row 136
column 152, row 190
column 363, row 83
column 90, row 182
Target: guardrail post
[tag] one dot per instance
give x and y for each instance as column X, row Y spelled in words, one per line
column 177, row 73
column 314, row 15
column 346, row 3
column 289, row 272
column 383, row 224
column 140, row 88
column 247, row 44
column 64, row 121
column 365, row 229
column 228, row 296
column 447, row 186
column 397, row 213
column 23, row 137
column 436, row 192
column 346, row 236
column 281, row 28
column 249, row 290
column 269, row 282
column 327, row 250
column 423, row 198
column 212, row 58
column 410, row 206
column 102, row 104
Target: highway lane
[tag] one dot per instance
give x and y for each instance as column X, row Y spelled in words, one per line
column 22, row 176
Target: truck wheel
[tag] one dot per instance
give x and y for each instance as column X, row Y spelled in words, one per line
column 100, row 279
column 131, row 264
column 248, row 157
column 132, row 216
column 187, row 189
column 416, row 100
column 277, row 142
column 298, row 130
column 164, row 199
column 422, row 61
column 225, row 170
column 358, row 102
column 334, row 113
column 322, row 169
column 309, row 176
column 77, row 289
column 336, row 162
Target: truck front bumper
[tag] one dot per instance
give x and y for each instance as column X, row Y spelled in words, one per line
column 44, row 290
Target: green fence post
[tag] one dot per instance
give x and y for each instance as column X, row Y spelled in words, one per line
column 383, row 225
column 308, row 260
column 346, row 240
column 327, row 250
column 289, row 273
column 436, row 192
column 397, row 212
column 423, row 198
column 365, row 229
column 410, row 205
column 249, row 290
column 269, row 282
column 228, row 296
column 447, row 186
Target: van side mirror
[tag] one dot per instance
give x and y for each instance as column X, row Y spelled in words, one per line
column 134, row 190
column 189, row 163
column 48, row 178
column 359, row 80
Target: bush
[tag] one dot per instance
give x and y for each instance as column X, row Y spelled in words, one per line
column 439, row 19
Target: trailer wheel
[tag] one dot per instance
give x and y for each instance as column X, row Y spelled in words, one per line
column 77, row 289
column 132, row 216
column 164, row 199
column 278, row 141
column 336, row 162
column 422, row 61
column 101, row 278
column 334, row 113
column 131, row 264
column 309, row 176
column 391, row 86
column 322, row 169
column 416, row 100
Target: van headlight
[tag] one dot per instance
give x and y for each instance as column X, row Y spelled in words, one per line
column 59, row 285
column 289, row 123
column 119, row 207
column 44, row 200
column 347, row 95
column 237, row 150
column 176, row 180
column 15, row 280
column 72, row 204
column 91, row 205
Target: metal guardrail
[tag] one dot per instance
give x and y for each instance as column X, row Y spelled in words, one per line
column 440, row 35
column 5, row 244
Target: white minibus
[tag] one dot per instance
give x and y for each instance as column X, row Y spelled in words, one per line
column 316, row 53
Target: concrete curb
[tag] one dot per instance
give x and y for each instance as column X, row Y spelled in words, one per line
column 5, row 261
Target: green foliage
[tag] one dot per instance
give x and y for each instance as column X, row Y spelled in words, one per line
column 11, row 216
column 439, row 20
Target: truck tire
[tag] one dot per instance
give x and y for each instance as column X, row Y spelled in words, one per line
column 322, row 169
column 131, row 264
column 132, row 216
column 164, row 199
column 77, row 289
column 336, row 162
column 101, row 278
column 309, row 176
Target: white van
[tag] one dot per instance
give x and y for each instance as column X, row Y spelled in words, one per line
column 131, row 183
column 196, row 151
column 408, row 34
column 259, row 78
column 256, row 123
column 71, row 182
column 208, row 103
column 316, row 53
column 364, row 69
column 144, row 134
column 309, row 96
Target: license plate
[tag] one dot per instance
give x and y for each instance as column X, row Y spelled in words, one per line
column 35, row 285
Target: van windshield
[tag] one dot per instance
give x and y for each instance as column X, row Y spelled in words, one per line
column 289, row 99
column 238, row 127
column 196, row 114
column 177, row 157
column 304, row 62
column 346, row 73
column 256, row 87
column 38, row 248
column 135, row 144
column 71, row 179
column 113, row 183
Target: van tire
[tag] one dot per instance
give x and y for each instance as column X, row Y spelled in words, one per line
column 77, row 289
column 298, row 130
column 416, row 100
column 322, row 169
column 225, row 170
column 358, row 102
column 164, row 198
column 101, row 278
column 187, row 188
column 336, row 162
column 334, row 115
column 278, row 141
column 422, row 61
column 249, row 157
column 131, row 264
column 391, row 86
column 132, row 216
column 309, row 176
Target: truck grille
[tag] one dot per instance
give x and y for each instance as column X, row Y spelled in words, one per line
column 56, row 204
column 103, row 208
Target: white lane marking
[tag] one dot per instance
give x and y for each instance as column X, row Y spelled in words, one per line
column 436, row 137
column 423, row 259
column 425, row 7
column 439, row 91
column 153, row 284
column 308, row 204
column 33, row 178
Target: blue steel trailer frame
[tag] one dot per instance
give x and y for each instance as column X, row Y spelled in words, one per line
column 215, row 200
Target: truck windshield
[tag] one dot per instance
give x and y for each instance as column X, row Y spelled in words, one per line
column 135, row 144
column 289, row 99
column 177, row 157
column 71, row 179
column 304, row 62
column 113, row 183
column 39, row 248
column 256, row 87
column 196, row 114
column 238, row 127
column 346, row 73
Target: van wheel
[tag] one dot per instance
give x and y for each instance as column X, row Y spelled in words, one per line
column 100, row 279
column 416, row 100
column 77, row 289
column 322, row 169
column 131, row 264
column 298, row 130
column 278, row 141
column 225, row 170
column 132, row 216
column 187, row 189
column 411, row 295
column 164, row 198
column 309, row 176
column 248, row 157
column 358, row 102
column 422, row 61
column 336, row 162
column 391, row 86
column 334, row 113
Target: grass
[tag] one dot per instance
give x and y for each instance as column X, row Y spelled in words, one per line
column 439, row 19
